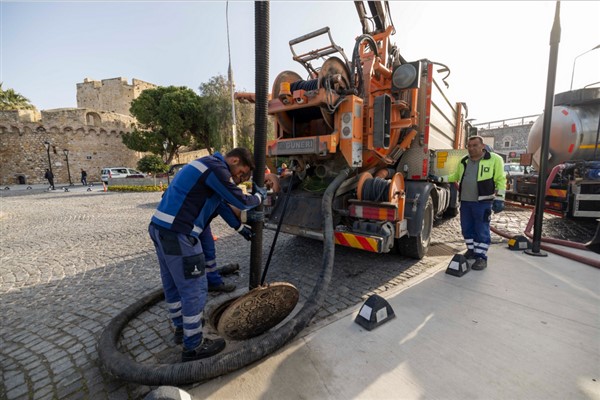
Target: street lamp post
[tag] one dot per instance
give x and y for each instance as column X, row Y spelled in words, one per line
column 575, row 59
column 47, row 144
column 68, row 169
column 165, row 146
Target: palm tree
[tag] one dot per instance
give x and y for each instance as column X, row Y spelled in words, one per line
column 11, row 100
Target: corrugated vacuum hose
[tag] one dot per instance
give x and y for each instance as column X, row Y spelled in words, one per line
column 122, row 367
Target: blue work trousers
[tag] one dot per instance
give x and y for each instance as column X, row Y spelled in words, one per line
column 184, row 281
column 475, row 219
column 210, row 257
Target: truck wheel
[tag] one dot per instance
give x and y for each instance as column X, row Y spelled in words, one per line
column 416, row 246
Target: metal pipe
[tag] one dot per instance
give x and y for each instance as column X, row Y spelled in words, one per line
column 575, row 59
column 261, row 59
column 230, row 78
column 540, row 192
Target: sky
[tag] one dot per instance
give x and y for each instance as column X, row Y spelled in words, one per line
column 498, row 52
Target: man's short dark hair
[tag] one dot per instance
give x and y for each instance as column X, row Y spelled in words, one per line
column 246, row 158
column 476, row 137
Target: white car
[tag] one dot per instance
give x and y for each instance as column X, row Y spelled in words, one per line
column 514, row 169
column 119, row 172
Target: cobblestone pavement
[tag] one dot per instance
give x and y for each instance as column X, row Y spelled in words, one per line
column 70, row 261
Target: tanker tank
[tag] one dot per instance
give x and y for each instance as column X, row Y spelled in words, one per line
column 575, row 129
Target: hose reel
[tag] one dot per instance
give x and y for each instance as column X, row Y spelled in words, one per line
column 379, row 189
column 333, row 76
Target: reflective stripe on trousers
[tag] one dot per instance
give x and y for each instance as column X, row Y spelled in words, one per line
column 210, row 256
column 184, row 281
column 475, row 219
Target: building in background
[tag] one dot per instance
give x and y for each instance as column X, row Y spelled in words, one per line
column 507, row 137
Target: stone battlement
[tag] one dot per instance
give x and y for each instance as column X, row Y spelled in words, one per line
column 63, row 120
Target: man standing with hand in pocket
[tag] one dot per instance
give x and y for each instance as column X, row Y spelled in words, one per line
column 197, row 192
column 482, row 186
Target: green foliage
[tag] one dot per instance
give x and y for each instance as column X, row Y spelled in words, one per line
column 11, row 100
column 183, row 118
column 164, row 113
column 136, row 188
column 216, row 111
column 152, row 163
column 217, row 125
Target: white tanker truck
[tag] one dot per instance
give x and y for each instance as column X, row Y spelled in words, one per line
column 574, row 156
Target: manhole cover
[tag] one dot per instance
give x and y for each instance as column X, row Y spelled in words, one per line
column 258, row 311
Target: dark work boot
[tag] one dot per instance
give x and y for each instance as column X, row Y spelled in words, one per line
column 479, row 264
column 469, row 254
column 228, row 269
column 223, row 287
column 207, row 348
column 178, row 335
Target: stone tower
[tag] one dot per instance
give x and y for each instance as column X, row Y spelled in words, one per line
column 113, row 95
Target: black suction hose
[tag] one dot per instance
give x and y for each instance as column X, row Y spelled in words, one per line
column 122, row 367
column 285, row 203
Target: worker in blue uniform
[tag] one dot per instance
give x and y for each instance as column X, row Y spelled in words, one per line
column 203, row 187
column 213, row 273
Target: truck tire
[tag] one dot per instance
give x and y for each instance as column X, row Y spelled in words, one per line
column 417, row 246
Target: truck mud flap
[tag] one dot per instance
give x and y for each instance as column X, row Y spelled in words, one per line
column 417, row 193
column 364, row 242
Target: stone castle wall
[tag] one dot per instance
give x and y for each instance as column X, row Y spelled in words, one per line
column 113, row 95
column 91, row 133
column 93, row 139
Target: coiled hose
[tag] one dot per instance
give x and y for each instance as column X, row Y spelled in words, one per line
column 122, row 367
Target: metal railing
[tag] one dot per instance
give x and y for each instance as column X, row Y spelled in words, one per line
column 505, row 123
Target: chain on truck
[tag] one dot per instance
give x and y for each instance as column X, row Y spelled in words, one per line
column 380, row 116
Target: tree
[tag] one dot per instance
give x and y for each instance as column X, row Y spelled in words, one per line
column 11, row 100
column 152, row 163
column 216, row 106
column 171, row 114
column 216, row 111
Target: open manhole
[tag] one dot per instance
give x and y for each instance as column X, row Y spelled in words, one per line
column 256, row 311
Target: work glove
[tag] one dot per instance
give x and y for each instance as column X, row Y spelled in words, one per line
column 255, row 216
column 260, row 192
column 497, row 205
column 246, row 232
column 434, row 178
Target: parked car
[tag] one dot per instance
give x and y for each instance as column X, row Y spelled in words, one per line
column 119, row 172
column 176, row 168
column 514, row 169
